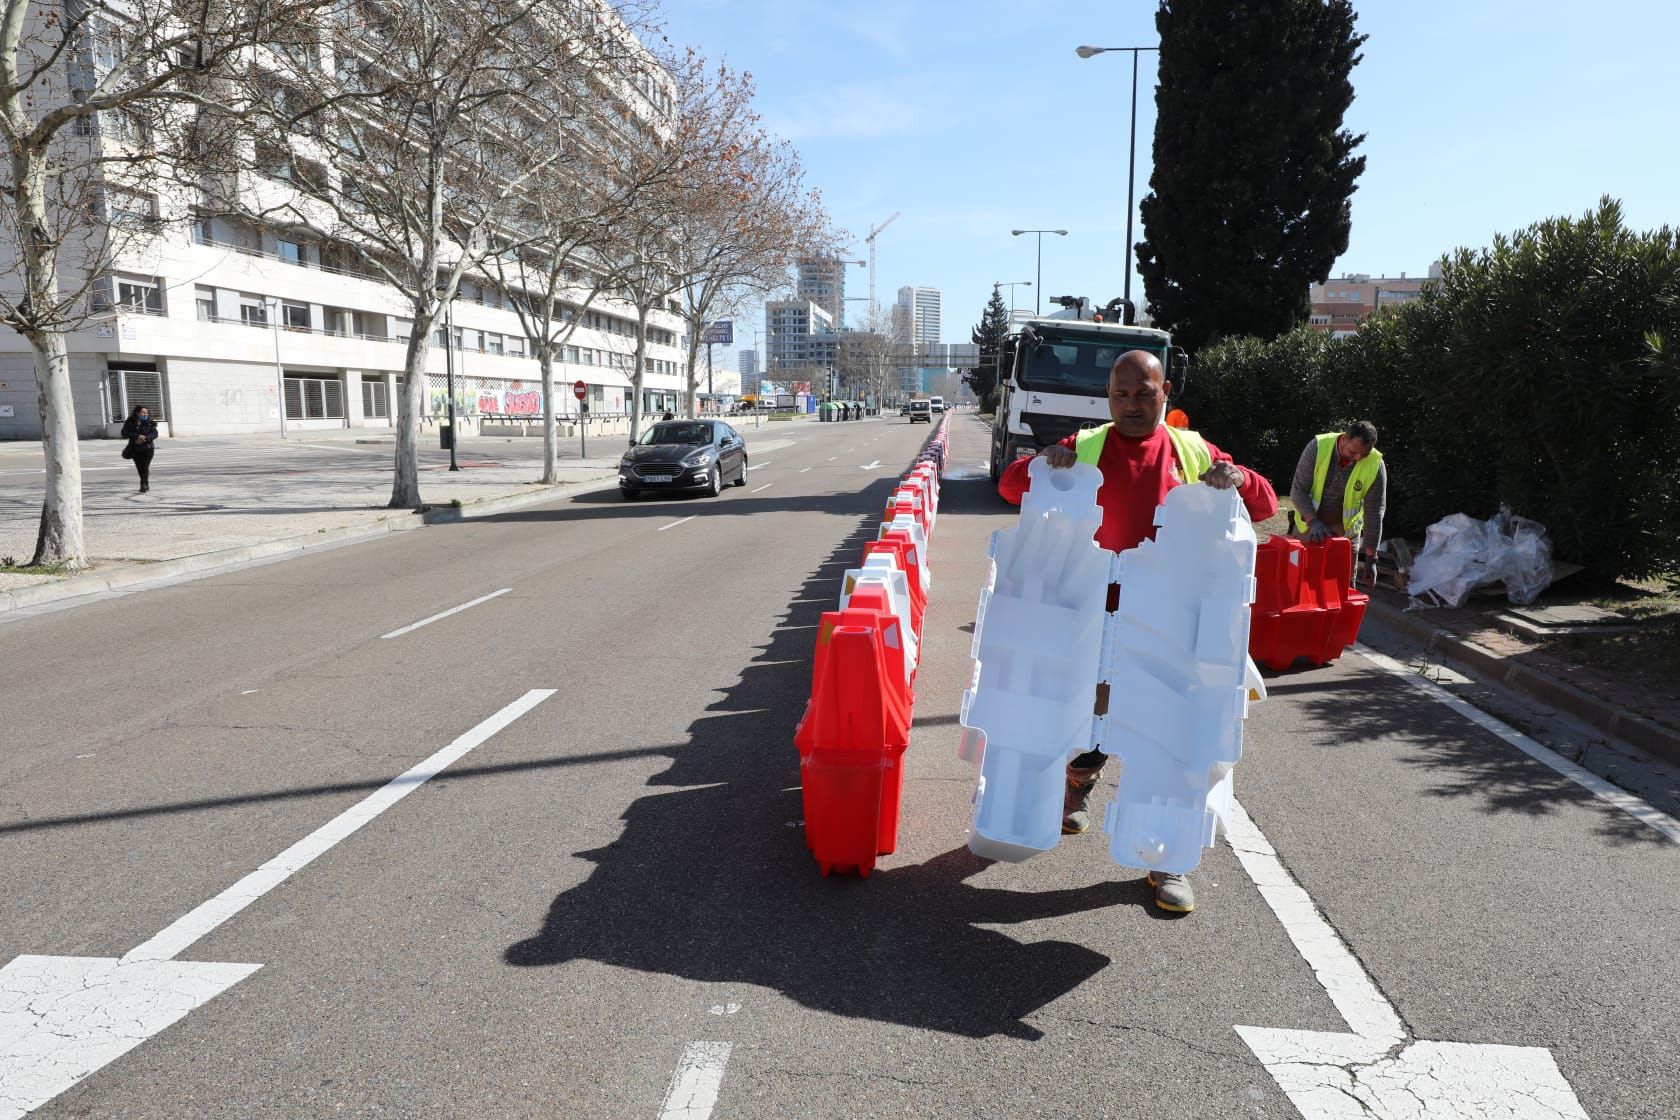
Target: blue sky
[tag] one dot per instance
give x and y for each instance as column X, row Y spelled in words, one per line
column 972, row 118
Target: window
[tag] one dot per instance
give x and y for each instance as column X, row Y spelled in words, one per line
column 336, row 320
column 129, row 209
column 203, row 231
column 126, row 388
column 515, row 347
column 205, row 299
column 289, row 251
column 140, row 295
column 253, row 311
column 274, row 160
column 492, row 343
column 314, row 398
column 294, row 316
column 374, row 404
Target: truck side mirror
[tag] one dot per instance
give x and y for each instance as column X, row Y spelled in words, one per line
column 1178, row 369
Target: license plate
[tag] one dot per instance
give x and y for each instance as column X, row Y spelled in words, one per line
column 658, row 477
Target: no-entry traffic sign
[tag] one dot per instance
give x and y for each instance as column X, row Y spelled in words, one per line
column 579, row 390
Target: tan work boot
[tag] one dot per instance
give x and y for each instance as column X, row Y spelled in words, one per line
column 1173, row 892
column 1076, row 816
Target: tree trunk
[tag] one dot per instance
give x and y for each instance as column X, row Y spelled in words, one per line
column 636, row 374
column 551, row 433
column 59, row 540
column 405, row 478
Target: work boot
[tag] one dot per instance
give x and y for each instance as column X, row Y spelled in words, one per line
column 1172, row 892
column 1076, row 816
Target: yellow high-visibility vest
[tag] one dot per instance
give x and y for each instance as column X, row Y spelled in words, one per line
column 1191, row 450
column 1359, row 483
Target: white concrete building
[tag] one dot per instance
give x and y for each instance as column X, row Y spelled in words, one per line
column 223, row 327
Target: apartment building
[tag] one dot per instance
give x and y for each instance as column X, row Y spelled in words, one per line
column 799, row 336
column 1339, row 306
column 916, row 323
column 220, row 327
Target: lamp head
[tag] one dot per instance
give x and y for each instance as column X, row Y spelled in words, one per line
column 1016, row 232
column 1060, row 232
column 1087, row 52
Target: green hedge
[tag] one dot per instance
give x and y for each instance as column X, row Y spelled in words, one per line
column 1542, row 373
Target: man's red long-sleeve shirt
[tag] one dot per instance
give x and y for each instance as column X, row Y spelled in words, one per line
column 1137, row 473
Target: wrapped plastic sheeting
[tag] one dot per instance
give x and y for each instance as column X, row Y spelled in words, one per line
column 1461, row 554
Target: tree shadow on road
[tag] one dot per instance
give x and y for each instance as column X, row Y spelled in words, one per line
column 710, row 878
column 1466, row 761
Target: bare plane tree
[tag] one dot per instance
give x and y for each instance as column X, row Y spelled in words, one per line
column 98, row 103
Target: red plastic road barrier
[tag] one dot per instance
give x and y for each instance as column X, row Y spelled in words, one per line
column 1303, row 606
column 852, row 740
column 903, row 551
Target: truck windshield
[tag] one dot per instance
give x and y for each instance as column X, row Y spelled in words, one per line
column 1070, row 364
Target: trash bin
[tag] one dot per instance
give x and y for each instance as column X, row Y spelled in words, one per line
column 446, row 436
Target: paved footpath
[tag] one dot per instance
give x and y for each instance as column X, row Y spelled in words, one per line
column 587, row 894
column 227, row 494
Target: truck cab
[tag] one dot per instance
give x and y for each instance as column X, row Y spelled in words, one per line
column 1054, row 375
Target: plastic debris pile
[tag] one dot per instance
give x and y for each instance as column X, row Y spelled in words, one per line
column 1461, row 554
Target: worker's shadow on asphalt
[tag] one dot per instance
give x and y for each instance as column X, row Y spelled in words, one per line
column 712, row 881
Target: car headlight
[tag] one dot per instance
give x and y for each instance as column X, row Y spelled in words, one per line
column 699, row 458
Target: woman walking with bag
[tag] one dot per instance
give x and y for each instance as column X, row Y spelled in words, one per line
column 140, row 430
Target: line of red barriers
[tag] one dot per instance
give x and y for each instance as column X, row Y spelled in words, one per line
column 1304, row 606
column 856, row 726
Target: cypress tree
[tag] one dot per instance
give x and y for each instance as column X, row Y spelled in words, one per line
column 988, row 336
column 1253, row 171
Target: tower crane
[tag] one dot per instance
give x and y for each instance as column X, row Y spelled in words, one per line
column 871, row 242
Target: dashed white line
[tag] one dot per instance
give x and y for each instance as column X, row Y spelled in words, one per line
column 1633, row 806
column 804, row 469
column 694, row 1087
column 761, row 466
column 400, row 631
column 831, row 458
column 674, row 524
column 756, row 489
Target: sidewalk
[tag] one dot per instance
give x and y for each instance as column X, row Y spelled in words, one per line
column 220, row 501
column 1644, row 718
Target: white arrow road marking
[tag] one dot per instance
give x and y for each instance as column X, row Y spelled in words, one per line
column 64, row 1018
column 1377, row 1072
column 872, row 466
column 674, row 524
column 1620, row 798
column 694, row 1087
column 400, row 631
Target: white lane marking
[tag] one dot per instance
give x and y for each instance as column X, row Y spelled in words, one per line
column 249, row 691
column 674, row 524
column 756, row 489
column 693, row 1092
column 1363, row 1008
column 179, row 935
column 831, row 458
column 804, row 469
column 872, row 466
column 1378, row 1070
column 1634, row 807
column 849, row 450
column 85, row 470
column 400, row 631
column 762, row 466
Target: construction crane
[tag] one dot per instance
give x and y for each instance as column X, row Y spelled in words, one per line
column 871, row 242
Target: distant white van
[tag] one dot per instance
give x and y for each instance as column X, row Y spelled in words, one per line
column 937, row 404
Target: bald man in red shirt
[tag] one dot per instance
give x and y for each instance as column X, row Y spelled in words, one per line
column 1140, row 462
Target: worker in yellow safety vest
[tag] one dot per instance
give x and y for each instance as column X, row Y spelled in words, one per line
column 1340, row 489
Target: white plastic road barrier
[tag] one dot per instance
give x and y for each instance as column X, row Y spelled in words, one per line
column 1038, row 641
column 881, row 570
column 918, row 536
column 1175, row 656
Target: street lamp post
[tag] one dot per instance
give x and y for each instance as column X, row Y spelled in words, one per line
column 449, row 377
column 279, row 370
column 1131, row 152
column 1011, row 285
column 1038, row 289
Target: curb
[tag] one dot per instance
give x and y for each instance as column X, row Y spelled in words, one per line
column 1644, row 735
column 207, row 563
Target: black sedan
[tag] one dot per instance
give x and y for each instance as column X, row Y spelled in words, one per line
column 684, row 455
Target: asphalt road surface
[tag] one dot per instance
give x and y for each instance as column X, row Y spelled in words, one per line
column 601, row 905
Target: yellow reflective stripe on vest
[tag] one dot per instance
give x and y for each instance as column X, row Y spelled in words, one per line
column 1190, row 449
column 1359, row 483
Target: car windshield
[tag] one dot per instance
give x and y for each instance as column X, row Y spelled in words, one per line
column 1076, row 365
column 684, row 432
